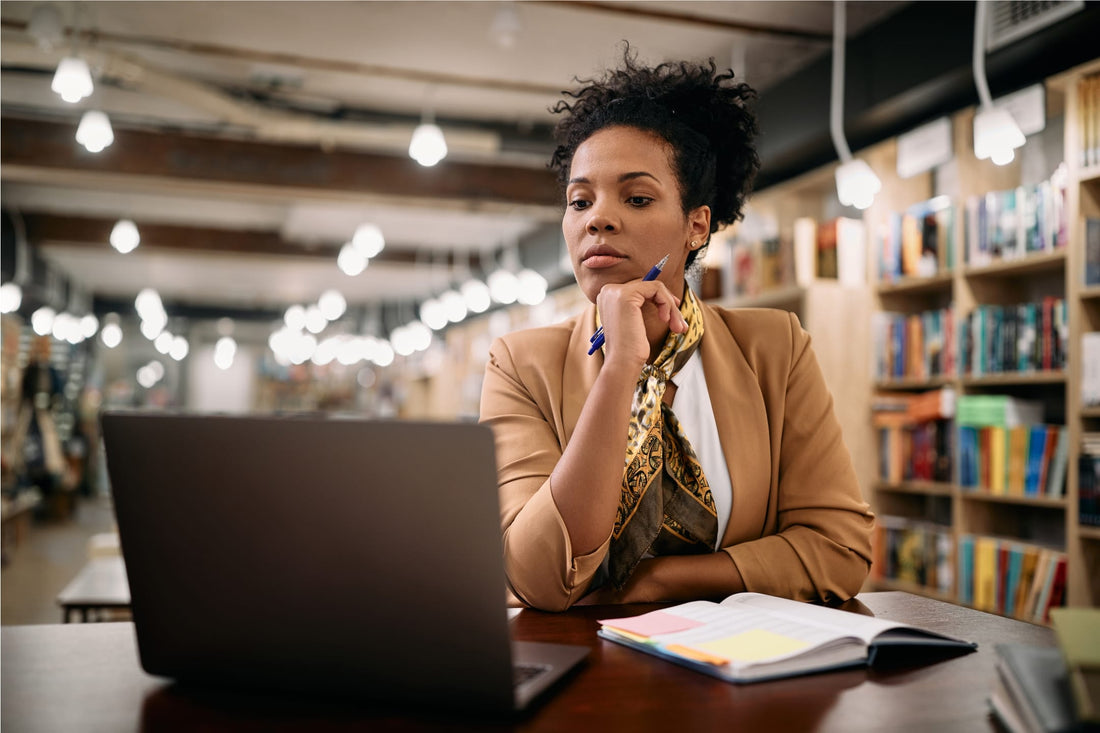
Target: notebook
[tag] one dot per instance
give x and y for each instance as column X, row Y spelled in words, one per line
column 321, row 555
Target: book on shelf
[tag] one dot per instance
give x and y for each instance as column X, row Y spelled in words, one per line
column 1031, row 692
column 914, row 551
column 1088, row 480
column 1090, row 369
column 1009, row 577
column 841, row 250
column 1088, row 112
column 919, row 242
column 913, row 345
column 758, row 265
column 1078, row 633
column 805, row 250
column 1092, row 252
column 1022, row 338
column 750, row 637
column 1012, row 224
column 1023, row 461
column 914, row 433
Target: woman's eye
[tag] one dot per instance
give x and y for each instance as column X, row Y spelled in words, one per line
column 578, row 204
column 639, row 201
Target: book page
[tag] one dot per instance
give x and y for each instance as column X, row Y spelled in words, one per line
column 833, row 620
column 742, row 635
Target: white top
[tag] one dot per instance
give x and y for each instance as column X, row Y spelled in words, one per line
column 696, row 415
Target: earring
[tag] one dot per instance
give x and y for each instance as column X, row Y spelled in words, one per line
column 694, row 244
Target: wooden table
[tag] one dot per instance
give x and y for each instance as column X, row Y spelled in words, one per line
column 100, row 585
column 87, row 678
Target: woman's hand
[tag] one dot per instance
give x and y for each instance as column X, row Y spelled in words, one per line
column 636, row 314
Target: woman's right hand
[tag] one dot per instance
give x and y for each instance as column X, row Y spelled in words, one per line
column 631, row 314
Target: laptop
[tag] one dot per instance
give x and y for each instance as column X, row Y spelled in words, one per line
column 347, row 557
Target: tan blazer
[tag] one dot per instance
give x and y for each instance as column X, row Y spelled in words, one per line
column 798, row 526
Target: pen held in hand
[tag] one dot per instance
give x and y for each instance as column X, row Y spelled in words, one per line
column 597, row 338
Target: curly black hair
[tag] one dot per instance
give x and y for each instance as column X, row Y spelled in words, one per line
column 703, row 115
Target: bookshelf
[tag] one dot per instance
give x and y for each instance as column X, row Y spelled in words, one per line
column 1048, row 526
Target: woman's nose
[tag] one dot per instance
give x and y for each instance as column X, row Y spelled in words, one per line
column 600, row 221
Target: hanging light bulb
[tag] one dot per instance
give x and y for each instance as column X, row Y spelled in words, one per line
column 42, row 320
column 111, row 335
column 124, row 236
column 996, row 134
column 532, row 287
column 504, row 286
column 332, row 304
column 89, row 324
column 11, row 297
column 454, row 305
column 428, row 145
column 368, row 240
column 433, row 314
column 224, row 351
column 350, row 260
column 477, row 295
column 72, row 80
column 94, row 131
column 856, row 183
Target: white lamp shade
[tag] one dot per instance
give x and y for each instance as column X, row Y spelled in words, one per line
column 433, row 314
column 428, row 146
column 94, row 131
column 72, row 80
column 111, row 335
column 454, row 305
column 857, row 184
column 125, row 236
column 996, row 135
column 504, row 286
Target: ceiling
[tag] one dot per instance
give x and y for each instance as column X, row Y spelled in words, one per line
column 253, row 137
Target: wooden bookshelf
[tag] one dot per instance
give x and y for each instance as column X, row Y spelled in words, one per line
column 910, row 285
column 927, row 488
column 1040, row 501
column 964, row 287
column 786, row 298
column 1030, row 265
column 1015, row 379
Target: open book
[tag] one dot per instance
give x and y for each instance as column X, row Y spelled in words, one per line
column 750, row 637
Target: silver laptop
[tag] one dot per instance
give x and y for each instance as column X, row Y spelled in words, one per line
column 314, row 554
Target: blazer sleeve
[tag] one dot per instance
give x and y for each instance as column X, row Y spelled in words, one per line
column 821, row 547
column 517, row 403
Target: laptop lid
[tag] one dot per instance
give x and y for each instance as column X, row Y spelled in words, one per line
column 345, row 556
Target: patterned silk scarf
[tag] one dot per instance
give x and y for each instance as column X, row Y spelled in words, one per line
column 665, row 507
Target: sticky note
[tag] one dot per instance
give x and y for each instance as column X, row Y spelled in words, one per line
column 697, row 655
column 752, row 646
column 652, row 623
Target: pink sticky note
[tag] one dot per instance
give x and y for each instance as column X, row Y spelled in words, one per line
column 652, row 623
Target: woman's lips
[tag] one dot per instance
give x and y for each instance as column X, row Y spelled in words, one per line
column 599, row 262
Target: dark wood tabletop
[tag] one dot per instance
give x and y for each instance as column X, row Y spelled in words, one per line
column 86, row 677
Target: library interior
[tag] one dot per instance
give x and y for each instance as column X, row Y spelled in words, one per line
column 236, row 212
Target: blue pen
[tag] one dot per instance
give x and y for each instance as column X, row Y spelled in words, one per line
column 597, row 338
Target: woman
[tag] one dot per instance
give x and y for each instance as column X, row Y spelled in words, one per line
column 736, row 475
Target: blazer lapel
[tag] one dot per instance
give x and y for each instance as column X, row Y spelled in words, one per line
column 580, row 372
column 742, row 426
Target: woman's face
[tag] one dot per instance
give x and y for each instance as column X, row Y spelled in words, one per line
column 623, row 211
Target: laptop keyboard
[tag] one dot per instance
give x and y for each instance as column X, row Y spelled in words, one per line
column 523, row 672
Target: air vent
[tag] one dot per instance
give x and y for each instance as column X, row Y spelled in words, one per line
column 1011, row 20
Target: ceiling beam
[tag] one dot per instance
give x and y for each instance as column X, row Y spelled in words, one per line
column 710, row 21
column 81, row 231
column 29, row 145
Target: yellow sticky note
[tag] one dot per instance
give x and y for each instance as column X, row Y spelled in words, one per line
column 752, row 646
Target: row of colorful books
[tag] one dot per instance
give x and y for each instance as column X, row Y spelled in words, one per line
column 1088, row 480
column 1011, row 578
column 1018, row 222
column 1026, row 337
column 914, row 345
column 1025, row 460
column 913, row 551
column 915, row 434
column 919, row 242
